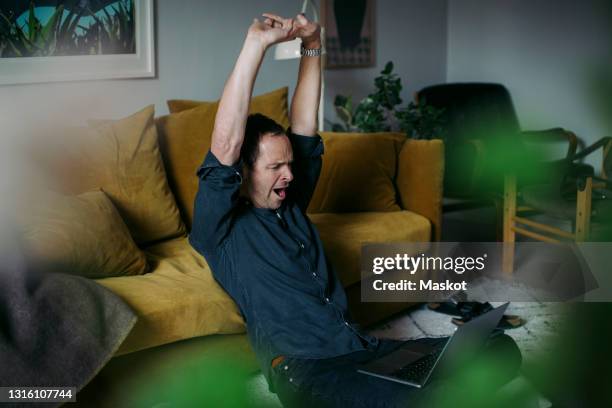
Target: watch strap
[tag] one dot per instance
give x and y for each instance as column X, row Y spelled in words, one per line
column 310, row 52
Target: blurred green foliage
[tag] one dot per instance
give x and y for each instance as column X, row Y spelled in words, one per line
column 210, row 381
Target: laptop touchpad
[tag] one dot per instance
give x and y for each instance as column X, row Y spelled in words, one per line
column 394, row 361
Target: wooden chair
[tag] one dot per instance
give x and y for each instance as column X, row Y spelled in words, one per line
column 482, row 139
column 574, row 194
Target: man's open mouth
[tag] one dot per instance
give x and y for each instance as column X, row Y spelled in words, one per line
column 281, row 192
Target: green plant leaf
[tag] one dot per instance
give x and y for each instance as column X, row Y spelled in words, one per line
column 124, row 26
column 340, row 100
column 109, row 19
column 388, row 68
column 422, row 121
column 48, row 36
column 27, row 47
column 14, row 48
column 344, row 115
column 32, row 23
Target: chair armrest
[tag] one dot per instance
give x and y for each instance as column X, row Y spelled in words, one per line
column 420, row 180
column 553, row 135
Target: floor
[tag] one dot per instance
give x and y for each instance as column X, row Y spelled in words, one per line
column 543, row 319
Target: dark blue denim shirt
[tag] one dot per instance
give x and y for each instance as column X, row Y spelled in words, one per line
column 271, row 262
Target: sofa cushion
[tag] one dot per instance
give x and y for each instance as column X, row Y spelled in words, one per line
column 184, row 140
column 358, row 174
column 420, row 178
column 185, row 137
column 343, row 235
column 272, row 104
column 122, row 157
column 178, row 299
column 81, row 235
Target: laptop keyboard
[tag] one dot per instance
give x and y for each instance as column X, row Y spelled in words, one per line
column 417, row 371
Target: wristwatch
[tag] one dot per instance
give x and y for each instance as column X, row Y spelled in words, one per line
column 310, row 52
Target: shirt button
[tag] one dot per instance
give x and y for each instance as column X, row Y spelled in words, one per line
column 314, row 274
column 286, row 367
column 347, row 324
column 290, row 379
column 326, row 300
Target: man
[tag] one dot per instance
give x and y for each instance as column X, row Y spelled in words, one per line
column 263, row 249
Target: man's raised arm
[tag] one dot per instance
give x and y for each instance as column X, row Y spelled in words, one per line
column 230, row 122
column 305, row 103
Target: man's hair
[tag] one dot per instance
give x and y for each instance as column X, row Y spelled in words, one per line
column 257, row 125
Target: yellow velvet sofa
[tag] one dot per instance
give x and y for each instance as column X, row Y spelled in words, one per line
column 373, row 188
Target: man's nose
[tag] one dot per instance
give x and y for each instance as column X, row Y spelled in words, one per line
column 287, row 175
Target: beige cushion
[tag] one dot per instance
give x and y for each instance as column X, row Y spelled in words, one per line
column 343, row 235
column 122, row 157
column 358, row 174
column 81, row 235
column 177, row 300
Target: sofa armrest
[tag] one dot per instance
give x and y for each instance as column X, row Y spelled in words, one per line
column 420, row 179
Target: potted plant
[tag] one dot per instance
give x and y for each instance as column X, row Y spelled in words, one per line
column 380, row 109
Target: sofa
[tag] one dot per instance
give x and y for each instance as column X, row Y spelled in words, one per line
column 379, row 187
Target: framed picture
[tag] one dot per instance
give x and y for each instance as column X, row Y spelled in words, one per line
column 67, row 40
column 349, row 33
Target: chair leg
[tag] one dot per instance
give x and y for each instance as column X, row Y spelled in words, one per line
column 583, row 211
column 498, row 202
column 509, row 213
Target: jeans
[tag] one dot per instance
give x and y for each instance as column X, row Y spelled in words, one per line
column 334, row 382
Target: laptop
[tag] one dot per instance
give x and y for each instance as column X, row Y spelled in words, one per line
column 415, row 364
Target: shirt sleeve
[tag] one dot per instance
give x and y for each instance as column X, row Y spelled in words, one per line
column 215, row 202
column 307, row 151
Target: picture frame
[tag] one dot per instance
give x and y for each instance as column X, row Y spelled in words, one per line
column 349, row 27
column 140, row 63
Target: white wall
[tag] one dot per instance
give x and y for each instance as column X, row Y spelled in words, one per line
column 412, row 34
column 197, row 43
column 541, row 50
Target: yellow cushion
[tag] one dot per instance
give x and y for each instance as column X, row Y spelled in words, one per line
column 358, row 173
column 343, row 235
column 178, row 299
column 122, row 157
column 420, row 180
column 81, row 235
column 272, row 104
column 185, row 138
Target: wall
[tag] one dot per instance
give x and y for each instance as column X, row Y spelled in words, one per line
column 412, row 34
column 543, row 51
column 197, row 43
column 540, row 50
